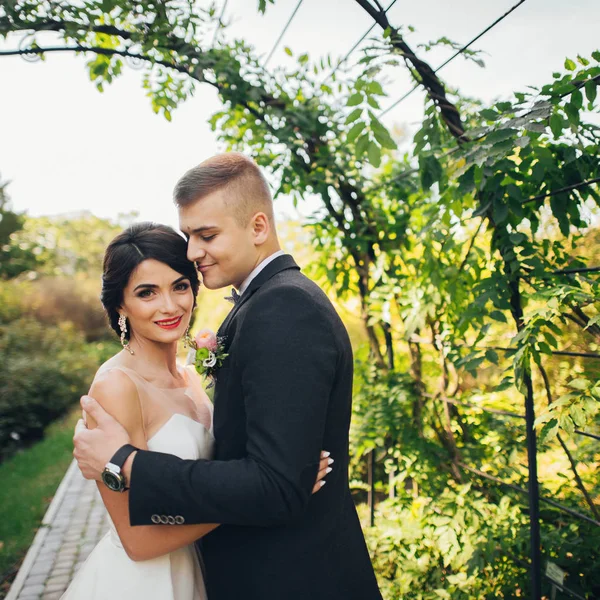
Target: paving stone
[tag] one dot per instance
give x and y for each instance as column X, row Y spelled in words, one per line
column 32, row 590
column 80, row 521
column 41, row 568
column 61, row 572
column 35, row 579
column 55, row 589
column 63, row 564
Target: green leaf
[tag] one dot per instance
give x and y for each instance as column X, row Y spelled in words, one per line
column 517, row 238
column 500, row 212
column 500, row 135
column 566, row 422
column 577, row 99
column 381, row 134
column 505, row 384
column 550, row 339
column 596, row 55
column 431, row 170
column 549, row 430
column 355, row 114
column 385, row 140
column 288, row 51
column 375, row 88
column 372, row 102
column 489, row 114
column 498, row 316
column 303, row 59
column 591, row 90
column 361, row 145
column 579, row 384
column 577, row 415
column 593, row 321
column 582, row 60
column 503, row 106
column 570, row 65
column 374, row 154
column 492, row 356
column 356, row 130
column 355, row 99
column 572, row 113
column 262, row 5
column 556, row 125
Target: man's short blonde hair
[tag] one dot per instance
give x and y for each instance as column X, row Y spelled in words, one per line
column 235, row 172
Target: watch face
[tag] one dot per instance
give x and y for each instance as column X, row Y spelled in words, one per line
column 112, row 481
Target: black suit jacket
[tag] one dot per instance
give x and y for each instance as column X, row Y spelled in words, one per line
column 283, row 394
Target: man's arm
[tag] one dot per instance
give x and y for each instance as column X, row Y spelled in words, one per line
column 288, row 366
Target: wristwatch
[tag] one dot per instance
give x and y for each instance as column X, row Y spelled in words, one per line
column 112, row 476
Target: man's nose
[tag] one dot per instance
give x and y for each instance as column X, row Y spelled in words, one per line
column 195, row 252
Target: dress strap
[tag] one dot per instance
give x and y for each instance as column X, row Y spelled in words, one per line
column 140, row 384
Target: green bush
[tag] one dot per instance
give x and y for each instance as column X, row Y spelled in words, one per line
column 458, row 545
column 44, row 371
column 53, row 300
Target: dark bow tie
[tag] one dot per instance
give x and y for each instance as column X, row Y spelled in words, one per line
column 235, row 297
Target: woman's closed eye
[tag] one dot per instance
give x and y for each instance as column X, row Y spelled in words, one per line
column 208, row 238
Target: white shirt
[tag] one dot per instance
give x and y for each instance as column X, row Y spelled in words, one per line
column 258, row 269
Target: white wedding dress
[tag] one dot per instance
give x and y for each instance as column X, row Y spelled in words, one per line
column 108, row 573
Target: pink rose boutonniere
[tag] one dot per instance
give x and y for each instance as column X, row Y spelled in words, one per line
column 208, row 354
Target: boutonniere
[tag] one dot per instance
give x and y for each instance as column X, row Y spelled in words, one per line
column 207, row 354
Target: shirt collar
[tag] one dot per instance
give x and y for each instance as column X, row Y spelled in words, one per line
column 258, row 269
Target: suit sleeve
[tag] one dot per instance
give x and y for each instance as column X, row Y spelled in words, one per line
column 287, row 361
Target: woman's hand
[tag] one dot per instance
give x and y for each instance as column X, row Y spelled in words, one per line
column 324, row 469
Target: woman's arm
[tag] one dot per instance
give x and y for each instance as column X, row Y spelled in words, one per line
column 118, row 395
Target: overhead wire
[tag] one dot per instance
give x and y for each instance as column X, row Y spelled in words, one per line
column 455, row 55
column 283, row 31
column 357, row 44
column 219, row 24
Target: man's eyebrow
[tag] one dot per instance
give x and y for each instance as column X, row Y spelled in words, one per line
column 153, row 285
column 204, row 228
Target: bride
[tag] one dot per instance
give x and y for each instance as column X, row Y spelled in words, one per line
column 149, row 293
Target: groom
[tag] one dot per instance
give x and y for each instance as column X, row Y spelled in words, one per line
column 282, row 395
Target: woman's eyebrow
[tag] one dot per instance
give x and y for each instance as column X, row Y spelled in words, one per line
column 153, row 285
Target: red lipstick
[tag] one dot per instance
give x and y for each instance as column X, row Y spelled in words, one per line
column 169, row 323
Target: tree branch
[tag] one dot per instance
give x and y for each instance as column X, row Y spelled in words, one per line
column 429, row 80
column 578, row 480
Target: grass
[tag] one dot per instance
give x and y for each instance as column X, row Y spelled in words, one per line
column 28, row 482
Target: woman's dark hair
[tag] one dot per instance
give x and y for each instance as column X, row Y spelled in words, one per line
column 123, row 255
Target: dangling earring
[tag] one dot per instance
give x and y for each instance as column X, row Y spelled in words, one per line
column 187, row 339
column 123, row 328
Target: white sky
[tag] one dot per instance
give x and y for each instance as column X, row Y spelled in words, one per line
column 66, row 147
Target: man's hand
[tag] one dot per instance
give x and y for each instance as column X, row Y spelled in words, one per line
column 95, row 447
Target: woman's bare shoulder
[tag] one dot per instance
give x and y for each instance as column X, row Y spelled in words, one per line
column 118, row 395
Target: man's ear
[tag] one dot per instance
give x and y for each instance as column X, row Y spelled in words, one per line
column 261, row 228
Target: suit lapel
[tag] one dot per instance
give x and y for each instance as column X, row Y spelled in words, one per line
column 281, row 263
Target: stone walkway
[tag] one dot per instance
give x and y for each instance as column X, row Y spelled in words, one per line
column 73, row 524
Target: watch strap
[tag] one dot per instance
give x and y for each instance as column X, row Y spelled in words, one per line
column 120, row 456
